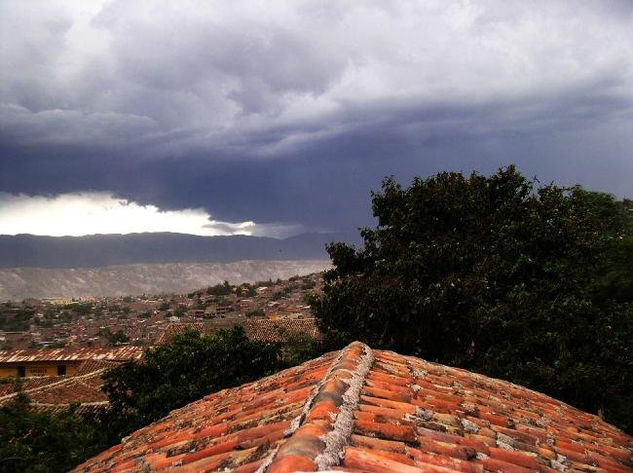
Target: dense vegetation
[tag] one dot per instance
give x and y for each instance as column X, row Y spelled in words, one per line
column 171, row 375
column 44, row 442
column 492, row 274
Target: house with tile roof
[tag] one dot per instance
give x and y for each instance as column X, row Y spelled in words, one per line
column 363, row 410
column 59, row 361
column 58, row 393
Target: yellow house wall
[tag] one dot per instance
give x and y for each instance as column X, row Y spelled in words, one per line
column 7, row 372
column 32, row 369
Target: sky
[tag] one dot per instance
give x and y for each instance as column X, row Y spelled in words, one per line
column 280, row 117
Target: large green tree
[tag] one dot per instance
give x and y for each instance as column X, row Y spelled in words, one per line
column 498, row 276
column 188, row 368
column 43, row 442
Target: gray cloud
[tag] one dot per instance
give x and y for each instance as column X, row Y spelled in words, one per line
column 263, row 111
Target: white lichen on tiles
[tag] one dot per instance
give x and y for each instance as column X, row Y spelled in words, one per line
column 298, row 420
column 337, row 439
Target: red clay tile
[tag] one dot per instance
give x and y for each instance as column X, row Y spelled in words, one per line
column 292, row 464
column 377, row 444
column 397, row 414
column 516, row 458
column 323, row 410
column 370, row 462
column 493, row 464
column 422, row 459
column 404, row 433
column 401, row 406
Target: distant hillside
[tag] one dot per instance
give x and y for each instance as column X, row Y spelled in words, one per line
column 149, row 248
column 134, row 279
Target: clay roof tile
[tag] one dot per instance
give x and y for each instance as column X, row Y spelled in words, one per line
column 363, row 410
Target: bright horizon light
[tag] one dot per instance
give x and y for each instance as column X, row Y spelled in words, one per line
column 89, row 213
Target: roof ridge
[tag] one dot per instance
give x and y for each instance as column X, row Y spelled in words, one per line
column 408, row 415
column 61, row 382
column 323, row 428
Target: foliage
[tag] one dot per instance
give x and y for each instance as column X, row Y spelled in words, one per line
column 246, row 290
column 190, row 367
column 264, row 283
column 494, row 275
column 82, row 308
column 615, row 276
column 16, row 321
column 223, row 289
column 114, row 338
column 299, row 348
column 43, row 442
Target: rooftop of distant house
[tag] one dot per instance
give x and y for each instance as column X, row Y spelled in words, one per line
column 57, row 393
column 71, row 354
column 364, row 410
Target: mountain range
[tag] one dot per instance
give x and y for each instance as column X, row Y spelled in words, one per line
column 95, row 251
column 136, row 279
column 151, row 263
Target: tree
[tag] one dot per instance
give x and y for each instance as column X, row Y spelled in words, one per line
column 45, row 442
column 223, row 289
column 180, row 311
column 192, row 366
column 114, row 338
column 494, row 275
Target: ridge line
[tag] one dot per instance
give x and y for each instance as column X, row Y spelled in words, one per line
column 322, row 430
column 337, row 439
column 297, row 421
column 61, row 382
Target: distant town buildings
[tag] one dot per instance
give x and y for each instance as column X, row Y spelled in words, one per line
column 34, row 327
column 59, row 348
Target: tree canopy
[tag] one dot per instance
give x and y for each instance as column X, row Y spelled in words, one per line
column 496, row 275
column 41, row 442
column 188, row 368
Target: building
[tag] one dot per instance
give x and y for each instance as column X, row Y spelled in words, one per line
column 58, row 393
column 59, row 361
column 373, row 411
column 215, row 310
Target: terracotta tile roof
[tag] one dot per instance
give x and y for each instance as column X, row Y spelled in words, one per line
column 71, row 354
column 267, row 330
column 8, row 386
column 59, row 392
column 90, row 366
column 178, row 328
column 360, row 410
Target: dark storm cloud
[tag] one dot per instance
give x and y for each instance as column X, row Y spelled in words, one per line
column 291, row 112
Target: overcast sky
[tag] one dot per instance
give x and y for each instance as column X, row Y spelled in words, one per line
column 274, row 118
